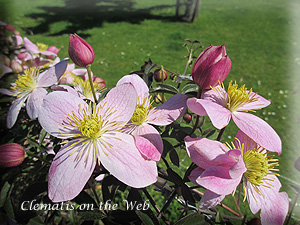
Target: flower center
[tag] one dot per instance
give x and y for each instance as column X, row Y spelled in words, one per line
column 42, row 47
column 26, row 82
column 139, row 115
column 258, row 166
column 237, row 97
column 90, row 126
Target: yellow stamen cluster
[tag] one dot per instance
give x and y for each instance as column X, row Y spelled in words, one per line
column 237, row 97
column 84, row 87
column 26, row 82
column 42, row 47
column 141, row 111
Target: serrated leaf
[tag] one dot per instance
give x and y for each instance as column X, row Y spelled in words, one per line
column 192, row 219
column 4, row 193
column 189, row 88
column 165, row 88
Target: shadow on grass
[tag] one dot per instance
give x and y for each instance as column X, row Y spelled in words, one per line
column 81, row 15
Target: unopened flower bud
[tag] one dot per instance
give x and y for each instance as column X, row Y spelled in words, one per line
column 99, row 81
column 21, row 56
column 80, row 52
column 16, row 67
column 160, row 75
column 211, row 67
column 187, row 117
column 11, row 154
column 54, row 50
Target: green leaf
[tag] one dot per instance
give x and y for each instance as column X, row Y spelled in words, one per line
column 42, row 136
column 192, row 219
column 189, row 88
column 4, row 193
column 165, row 88
column 144, row 217
column 9, row 208
column 174, row 157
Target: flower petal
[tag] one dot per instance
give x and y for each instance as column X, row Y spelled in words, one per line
column 210, row 199
column 151, row 134
column 65, row 88
column 216, row 95
column 138, row 83
column 29, row 46
column 258, row 104
column 68, row 174
column 14, row 110
column 35, row 101
column 51, row 76
column 147, row 149
column 119, row 104
column 55, row 109
column 195, row 174
column 242, row 138
column 169, row 111
column 195, row 107
column 202, row 151
column 217, row 179
column 258, row 130
column 219, row 115
column 124, row 161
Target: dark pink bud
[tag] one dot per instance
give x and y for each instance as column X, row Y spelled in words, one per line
column 160, row 75
column 54, row 50
column 80, row 52
column 211, row 67
column 10, row 28
column 11, row 154
column 187, row 117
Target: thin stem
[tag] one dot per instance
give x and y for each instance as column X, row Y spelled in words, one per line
column 167, row 204
column 151, row 200
column 292, row 209
column 38, row 157
column 237, row 206
column 220, row 134
column 88, row 67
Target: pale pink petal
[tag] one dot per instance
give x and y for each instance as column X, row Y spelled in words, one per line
column 275, row 208
column 210, row 199
column 217, row 179
column 19, row 40
column 151, row 134
column 139, row 84
column 68, row 174
column 195, row 174
column 227, row 159
column 79, row 71
column 147, row 149
column 258, row 104
column 169, row 111
column 202, row 151
column 51, row 76
column 14, row 110
column 48, row 53
column 119, row 104
column 6, row 91
column 30, row 47
column 196, row 107
column 55, row 109
column 216, row 95
column 34, row 102
column 219, row 115
column 124, row 161
column 66, row 88
column 258, row 130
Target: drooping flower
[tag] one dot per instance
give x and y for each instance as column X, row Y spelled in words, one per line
column 220, row 106
column 211, row 67
column 81, row 52
column 222, row 167
column 31, row 85
column 94, row 134
column 148, row 140
column 11, row 154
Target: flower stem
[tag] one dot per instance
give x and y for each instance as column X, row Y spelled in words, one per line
column 88, row 67
column 237, row 206
column 198, row 117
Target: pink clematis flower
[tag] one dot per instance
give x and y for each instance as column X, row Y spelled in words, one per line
column 220, row 106
column 147, row 138
column 37, row 49
column 94, row 134
column 30, row 85
column 222, row 168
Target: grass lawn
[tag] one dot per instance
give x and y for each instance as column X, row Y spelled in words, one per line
column 258, row 36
